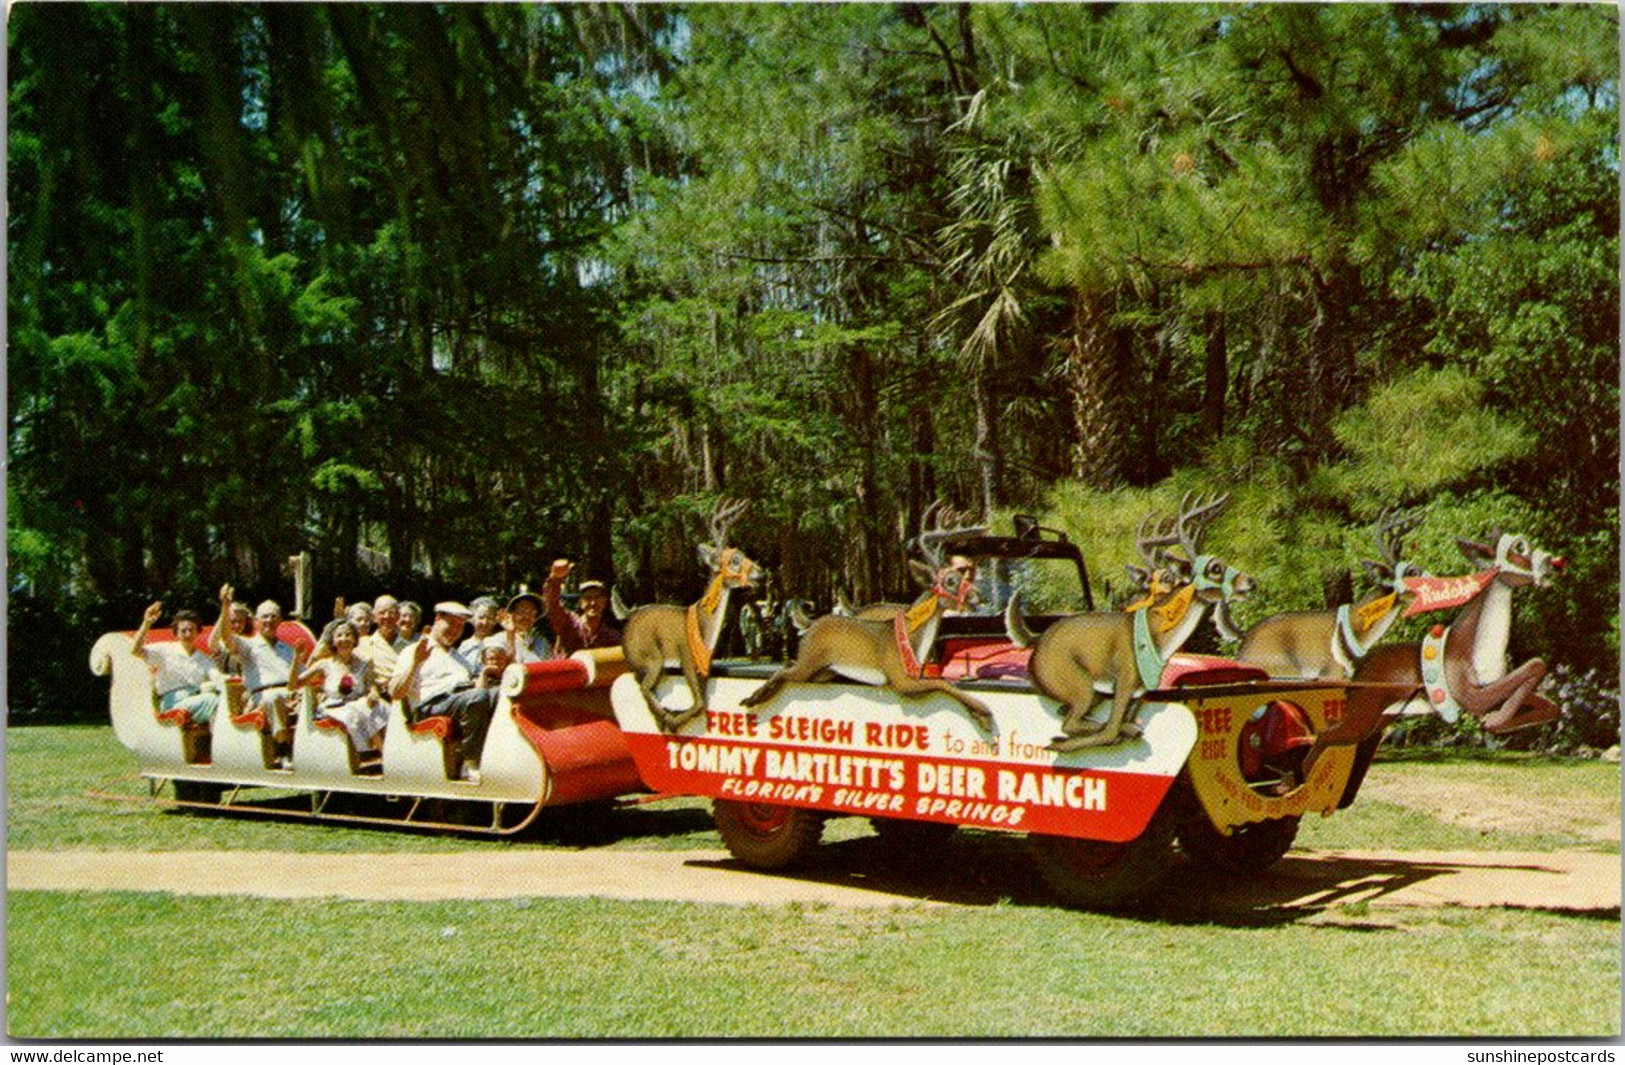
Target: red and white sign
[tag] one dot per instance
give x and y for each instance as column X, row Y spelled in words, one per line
column 851, row 749
column 1443, row 593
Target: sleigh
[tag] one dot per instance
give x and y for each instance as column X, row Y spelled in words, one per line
column 552, row 742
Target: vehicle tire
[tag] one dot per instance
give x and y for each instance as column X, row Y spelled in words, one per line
column 764, row 835
column 1247, row 851
column 197, row 791
column 904, row 835
column 1096, row 875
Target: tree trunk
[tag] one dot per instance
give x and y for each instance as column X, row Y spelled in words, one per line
column 867, row 578
column 1096, row 378
column 988, row 448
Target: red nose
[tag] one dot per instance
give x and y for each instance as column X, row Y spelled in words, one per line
column 1560, row 564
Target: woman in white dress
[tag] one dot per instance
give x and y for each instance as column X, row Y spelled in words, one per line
column 349, row 689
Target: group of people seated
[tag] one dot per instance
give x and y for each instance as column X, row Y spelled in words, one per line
column 368, row 655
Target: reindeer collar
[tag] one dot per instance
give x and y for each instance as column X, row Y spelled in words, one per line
column 1434, row 679
column 919, row 613
column 697, row 647
column 1147, row 659
column 905, row 648
column 1442, row 593
column 1354, row 625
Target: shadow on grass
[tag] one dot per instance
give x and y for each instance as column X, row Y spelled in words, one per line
column 971, row 869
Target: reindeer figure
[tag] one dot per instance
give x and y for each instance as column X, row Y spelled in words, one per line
column 1329, row 643
column 944, row 523
column 886, row 650
column 1461, row 666
column 1081, row 658
column 657, row 637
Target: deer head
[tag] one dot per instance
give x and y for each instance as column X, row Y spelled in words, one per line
column 1153, row 580
column 728, row 563
column 951, row 580
column 1214, row 579
column 1517, row 560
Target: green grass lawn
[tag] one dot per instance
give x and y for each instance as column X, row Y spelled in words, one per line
column 136, row 965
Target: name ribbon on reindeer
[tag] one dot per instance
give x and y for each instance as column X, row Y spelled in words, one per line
column 1442, row 593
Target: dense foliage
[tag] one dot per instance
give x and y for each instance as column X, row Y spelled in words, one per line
column 440, row 293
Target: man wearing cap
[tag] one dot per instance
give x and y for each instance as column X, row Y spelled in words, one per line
column 434, row 679
column 525, row 644
column 586, row 630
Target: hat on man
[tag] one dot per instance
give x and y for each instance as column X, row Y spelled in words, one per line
column 456, row 610
column 590, row 586
column 534, row 599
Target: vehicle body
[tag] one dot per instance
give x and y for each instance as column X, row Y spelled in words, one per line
column 1215, row 762
column 1216, row 759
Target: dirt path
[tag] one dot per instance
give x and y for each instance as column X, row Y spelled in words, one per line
column 1305, row 880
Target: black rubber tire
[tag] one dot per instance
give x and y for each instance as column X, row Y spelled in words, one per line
column 1095, row 875
column 197, row 791
column 1247, row 851
column 767, row 836
column 912, row 836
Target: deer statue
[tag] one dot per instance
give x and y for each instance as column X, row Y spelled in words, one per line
column 945, row 523
column 1460, row 666
column 1329, row 643
column 1081, row 658
column 657, row 637
column 886, row 649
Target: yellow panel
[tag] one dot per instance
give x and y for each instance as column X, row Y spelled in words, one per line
column 1215, row 764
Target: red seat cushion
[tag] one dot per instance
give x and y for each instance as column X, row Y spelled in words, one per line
column 985, row 660
column 1185, row 669
column 254, row 719
column 439, row 726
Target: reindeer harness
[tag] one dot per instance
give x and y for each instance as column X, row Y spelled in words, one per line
column 732, row 565
column 1147, row 659
column 905, row 624
column 1204, row 583
column 1442, row 593
column 1352, row 628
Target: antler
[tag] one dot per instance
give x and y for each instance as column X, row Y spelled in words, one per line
column 1162, row 534
column 1194, row 519
column 727, row 512
column 943, row 525
column 1392, row 526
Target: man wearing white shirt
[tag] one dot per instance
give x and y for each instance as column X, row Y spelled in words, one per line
column 378, row 646
column 434, row 679
column 268, row 664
